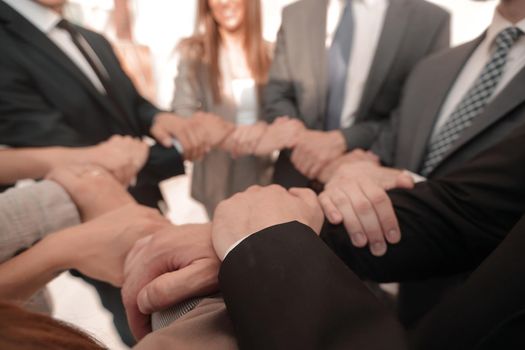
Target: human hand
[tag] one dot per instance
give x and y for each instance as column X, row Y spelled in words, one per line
column 122, row 156
column 165, row 269
column 99, row 247
column 281, row 134
column 261, row 207
column 314, row 149
column 357, row 155
column 93, row 189
column 188, row 132
column 245, row 139
column 356, row 195
column 216, row 128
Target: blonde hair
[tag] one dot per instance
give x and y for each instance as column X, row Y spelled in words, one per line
column 204, row 44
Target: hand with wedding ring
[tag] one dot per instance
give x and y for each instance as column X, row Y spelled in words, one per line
column 93, row 189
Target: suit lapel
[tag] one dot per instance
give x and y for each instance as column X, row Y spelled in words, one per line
column 121, row 99
column 315, row 25
column 441, row 81
column 509, row 98
column 396, row 20
column 20, row 27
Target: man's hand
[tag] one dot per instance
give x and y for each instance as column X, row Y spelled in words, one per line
column 216, row 128
column 261, row 207
column 315, row 149
column 165, row 269
column 357, row 155
column 356, row 196
column 282, row 133
column 244, row 139
column 123, row 156
column 99, row 247
column 188, row 132
column 94, row 191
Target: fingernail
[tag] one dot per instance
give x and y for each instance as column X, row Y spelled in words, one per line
column 392, row 236
column 359, row 239
column 378, row 248
column 143, row 302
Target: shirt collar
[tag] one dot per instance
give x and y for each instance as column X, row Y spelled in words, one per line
column 364, row 2
column 500, row 23
column 41, row 17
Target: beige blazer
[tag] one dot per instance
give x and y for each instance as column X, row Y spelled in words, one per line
column 217, row 176
column 27, row 215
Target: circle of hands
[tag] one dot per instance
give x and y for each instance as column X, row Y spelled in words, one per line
column 159, row 264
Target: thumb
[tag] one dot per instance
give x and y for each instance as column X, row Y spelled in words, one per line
column 162, row 136
column 199, row 278
column 404, row 180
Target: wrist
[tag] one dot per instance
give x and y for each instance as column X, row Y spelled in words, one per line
column 59, row 251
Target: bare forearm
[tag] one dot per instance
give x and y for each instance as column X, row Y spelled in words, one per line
column 25, row 274
column 34, row 163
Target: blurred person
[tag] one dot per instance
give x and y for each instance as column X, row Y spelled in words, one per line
column 62, row 85
column 339, row 67
column 222, row 70
column 476, row 100
column 24, row 330
column 456, row 223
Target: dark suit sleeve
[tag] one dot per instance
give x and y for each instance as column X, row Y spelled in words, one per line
column 279, row 94
column 285, row 290
column 451, row 224
column 485, row 307
column 26, row 118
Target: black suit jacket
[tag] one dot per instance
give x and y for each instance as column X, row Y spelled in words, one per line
column 45, row 99
column 296, row 294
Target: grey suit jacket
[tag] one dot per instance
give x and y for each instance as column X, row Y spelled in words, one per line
column 297, row 83
column 403, row 143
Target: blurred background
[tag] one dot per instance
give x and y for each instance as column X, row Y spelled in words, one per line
column 145, row 34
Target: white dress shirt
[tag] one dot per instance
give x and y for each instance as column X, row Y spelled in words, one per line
column 368, row 20
column 476, row 63
column 474, row 66
column 46, row 20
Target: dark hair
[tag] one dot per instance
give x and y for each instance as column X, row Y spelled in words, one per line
column 24, row 330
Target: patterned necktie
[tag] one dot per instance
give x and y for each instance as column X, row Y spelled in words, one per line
column 474, row 101
column 338, row 57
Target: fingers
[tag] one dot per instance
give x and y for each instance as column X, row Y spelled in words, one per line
column 330, row 209
column 366, row 211
column 309, row 198
column 163, row 136
column 174, row 287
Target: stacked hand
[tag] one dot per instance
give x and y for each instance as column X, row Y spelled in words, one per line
column 122, row 156
column 357, row 155
column 99, row 247
column 94, row 190
column 165, row 269
column 356, row 195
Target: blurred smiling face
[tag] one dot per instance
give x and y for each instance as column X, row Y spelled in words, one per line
column 229, row 14
column 51, row 3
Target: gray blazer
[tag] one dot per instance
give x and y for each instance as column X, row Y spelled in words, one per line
column 297, row 84
column 217, row 176
column 403, row 143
